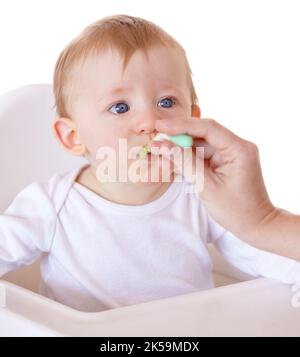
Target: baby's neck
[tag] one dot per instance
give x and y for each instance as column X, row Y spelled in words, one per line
column 123, row 192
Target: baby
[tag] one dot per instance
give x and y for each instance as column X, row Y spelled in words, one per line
column 107, row 243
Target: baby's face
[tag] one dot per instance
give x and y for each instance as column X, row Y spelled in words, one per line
column 109, row 106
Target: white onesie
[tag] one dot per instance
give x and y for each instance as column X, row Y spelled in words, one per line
column 98, row 255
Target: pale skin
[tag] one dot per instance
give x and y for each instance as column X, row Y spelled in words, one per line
column 94, row 124
column 234, row 192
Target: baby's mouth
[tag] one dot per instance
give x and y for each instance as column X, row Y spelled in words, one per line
column 144, row 151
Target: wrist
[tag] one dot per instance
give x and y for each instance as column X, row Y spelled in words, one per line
column 263, row 218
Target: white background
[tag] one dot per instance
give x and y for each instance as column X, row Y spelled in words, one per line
column 244, row 55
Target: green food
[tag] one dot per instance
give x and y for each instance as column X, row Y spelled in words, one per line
column 143, row 153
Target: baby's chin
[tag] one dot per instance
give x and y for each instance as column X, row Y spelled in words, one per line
column 140, row 172
column 153, row 171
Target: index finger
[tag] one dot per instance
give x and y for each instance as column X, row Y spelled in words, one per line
column 209, row 129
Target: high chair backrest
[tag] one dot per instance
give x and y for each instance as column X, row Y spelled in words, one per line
column 28, row 152
column 28, row 149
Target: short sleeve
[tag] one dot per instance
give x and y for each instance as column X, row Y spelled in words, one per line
column 26, row 228
column 253, row 261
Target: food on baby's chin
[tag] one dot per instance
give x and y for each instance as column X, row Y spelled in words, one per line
column 144, row 152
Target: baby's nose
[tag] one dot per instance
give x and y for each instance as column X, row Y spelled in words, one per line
column 145, row 122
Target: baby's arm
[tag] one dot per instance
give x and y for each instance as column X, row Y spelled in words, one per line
column 251, row 260
column 26, row 228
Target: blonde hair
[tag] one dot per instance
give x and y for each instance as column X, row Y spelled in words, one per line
column 121, row 32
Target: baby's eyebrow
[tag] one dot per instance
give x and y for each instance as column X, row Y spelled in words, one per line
column 120, row 90
column 115, row 91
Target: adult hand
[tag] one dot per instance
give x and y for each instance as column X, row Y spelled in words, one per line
column 233, row 189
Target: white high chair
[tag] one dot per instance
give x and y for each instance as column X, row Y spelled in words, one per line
column 29, row 152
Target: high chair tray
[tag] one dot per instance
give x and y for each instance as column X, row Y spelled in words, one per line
column 260, row 307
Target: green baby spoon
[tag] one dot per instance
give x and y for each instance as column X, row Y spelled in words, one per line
column 182, row 140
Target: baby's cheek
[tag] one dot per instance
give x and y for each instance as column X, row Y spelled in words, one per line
column 95, row 139
column 104, row 146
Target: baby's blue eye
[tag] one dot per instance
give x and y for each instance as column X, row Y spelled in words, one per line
column 167, row 102
column 120, row 107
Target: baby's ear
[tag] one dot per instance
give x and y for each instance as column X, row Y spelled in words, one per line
column 196, row 111
column 66, row 133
